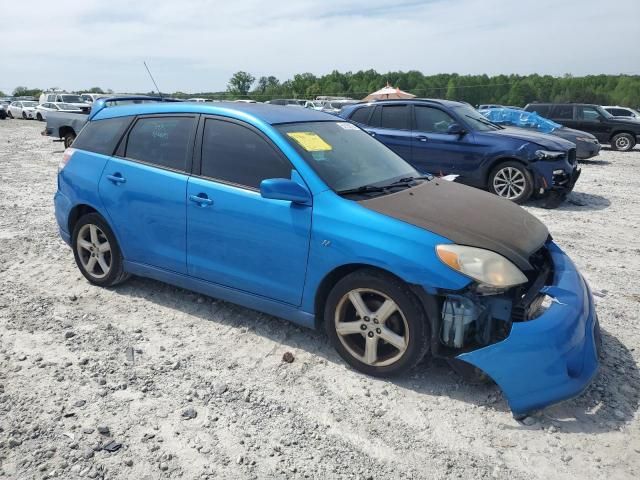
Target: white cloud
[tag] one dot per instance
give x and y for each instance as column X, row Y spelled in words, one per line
column 195, row 45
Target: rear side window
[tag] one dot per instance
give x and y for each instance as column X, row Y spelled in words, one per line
column 618, row 112
column 588, row 114
column 236, row 154
column 542, row 110
column 430, row 119
column 102, row 136
column 395, row 117
column 361, row 115
column 161, row 141
column 563, row 112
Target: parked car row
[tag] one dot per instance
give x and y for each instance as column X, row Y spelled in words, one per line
column 303, row 215
column 443, row 137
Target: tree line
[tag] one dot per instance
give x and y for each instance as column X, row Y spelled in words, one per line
column 512, row 89
column 517, row 90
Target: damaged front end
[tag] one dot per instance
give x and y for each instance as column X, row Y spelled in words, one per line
column 538, row 341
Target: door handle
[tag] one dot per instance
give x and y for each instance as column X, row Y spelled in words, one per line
column 201, row 199
column 422, row 138
column 116, row 178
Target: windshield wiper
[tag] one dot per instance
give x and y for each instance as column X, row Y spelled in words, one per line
column 362, row 189
column 403, row 182
column 408, row 180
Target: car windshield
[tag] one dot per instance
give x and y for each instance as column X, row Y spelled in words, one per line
column 29, row 104
column 603, row 112
column 475, row 120
column 344, row 156
column 72, row 98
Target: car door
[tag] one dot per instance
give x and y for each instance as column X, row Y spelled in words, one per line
column 391, row 125
column 592, row 121
column 565, row 115
column 235, row 237
column 144, row 190
column 435, row 151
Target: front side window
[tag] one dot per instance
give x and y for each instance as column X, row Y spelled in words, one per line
column 589, row 114
column 102, row 136
column 344, row 156
column 161, row 141
column 395, row 117
column 236, row 154
column 430, row 119
column 72, row 99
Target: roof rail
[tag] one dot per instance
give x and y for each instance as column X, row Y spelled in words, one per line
column 103, row 103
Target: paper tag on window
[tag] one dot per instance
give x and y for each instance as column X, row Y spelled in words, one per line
column 347, row 126
column 310, row 141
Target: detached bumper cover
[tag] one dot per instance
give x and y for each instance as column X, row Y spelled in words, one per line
column 553, row 357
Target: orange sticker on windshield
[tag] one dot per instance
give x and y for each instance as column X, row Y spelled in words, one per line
column 310, row 141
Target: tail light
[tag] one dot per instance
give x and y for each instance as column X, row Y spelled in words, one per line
column 68, row 153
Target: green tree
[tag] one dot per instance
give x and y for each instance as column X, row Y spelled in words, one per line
column 26, row 92
column 240, row 83
column 95, row 90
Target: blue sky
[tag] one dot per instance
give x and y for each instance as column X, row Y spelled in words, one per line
column 196, row 45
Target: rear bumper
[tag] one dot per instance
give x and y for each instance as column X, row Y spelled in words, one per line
column 585, row 150
column 553, row 357
column 62, row 208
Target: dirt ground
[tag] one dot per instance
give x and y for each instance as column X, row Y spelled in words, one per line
column 147, row 381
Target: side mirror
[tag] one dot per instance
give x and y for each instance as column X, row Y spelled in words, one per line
column 285, row 189
column 456, row 129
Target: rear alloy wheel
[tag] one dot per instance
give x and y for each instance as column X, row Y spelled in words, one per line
column 68, row 139
column 511, row 180
column 623, row 142
column 376, row 324
column 96, row 251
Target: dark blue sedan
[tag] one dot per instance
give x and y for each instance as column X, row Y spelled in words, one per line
column 444, row 137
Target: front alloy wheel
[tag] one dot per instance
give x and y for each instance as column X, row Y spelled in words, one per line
column 512, row 181
column 376, row 323
column 371, row 327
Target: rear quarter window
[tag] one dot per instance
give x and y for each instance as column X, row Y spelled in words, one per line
column 361, row 115
column 102, row 136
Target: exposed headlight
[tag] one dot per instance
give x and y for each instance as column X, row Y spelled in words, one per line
column 484, row 266
column 549, row 154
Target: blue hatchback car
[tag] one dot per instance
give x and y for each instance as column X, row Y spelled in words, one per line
column 304, row 216
column 445, row 137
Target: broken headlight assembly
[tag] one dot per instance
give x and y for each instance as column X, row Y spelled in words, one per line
column 482, row 314
column 549, row 154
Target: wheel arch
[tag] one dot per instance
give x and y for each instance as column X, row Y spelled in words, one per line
column 497, row 161
column 64, row 130
column 333, row 277
column 618, row 132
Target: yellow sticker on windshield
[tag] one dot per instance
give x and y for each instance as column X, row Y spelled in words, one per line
column 311, row 142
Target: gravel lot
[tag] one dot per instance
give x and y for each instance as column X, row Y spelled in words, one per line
column 183, row 386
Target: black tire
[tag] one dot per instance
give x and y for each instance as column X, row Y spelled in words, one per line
column 409, row 320
column 501, row 171
column 623, row 142
column 115, row 273
column 9, row 114
column 68, row 139
column 39, row 117
column 24, row 116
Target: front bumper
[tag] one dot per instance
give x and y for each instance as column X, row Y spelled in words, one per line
column 552, row 357
column 585, row 150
